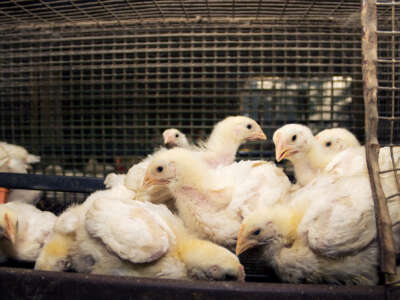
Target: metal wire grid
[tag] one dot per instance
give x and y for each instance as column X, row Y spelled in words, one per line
column 388, row 68
column 72, row 95
column 45, row 12
column 389, row 71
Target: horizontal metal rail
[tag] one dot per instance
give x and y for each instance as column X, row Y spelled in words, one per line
column 51, row 182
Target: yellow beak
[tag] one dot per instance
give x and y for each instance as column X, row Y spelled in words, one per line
column 168, row 139
column 149, row 181
column 258, row 136
column 282, row 151
column 242, row 244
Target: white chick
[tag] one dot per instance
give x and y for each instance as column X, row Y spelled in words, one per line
column 348, row 158
column 335, row 140
column 352, row 161
column 134, row 181
column 293, row 260
column 147, row 240
column 55, row 255
column 24, row 229
column 110, row 234
column 226, row 137
column 308, row 154
column 16, row 159
column 311, row 156
column 220, row 149
column 213, row 202
column 330, row 240
column 296, row 143
column 174, row 138
column 20, row 153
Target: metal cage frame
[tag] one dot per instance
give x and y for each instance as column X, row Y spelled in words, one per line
column 371, row 60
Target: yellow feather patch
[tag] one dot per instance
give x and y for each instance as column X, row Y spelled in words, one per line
column 293, row 224
column 188, row 246
column 58, row 246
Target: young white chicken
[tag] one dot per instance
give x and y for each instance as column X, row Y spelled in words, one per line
column 352, row 161
column 310, row 155
column 174, row 138
column 226, row 138
column 20, row 153
column 16, row 159
column 219, row 149
column 110, row 234
column 348, row 158
column 55, row 255
column 335, row 140
column 213, row 202
column 296, row 143
column 147, row 240
column 24, row 230
column 329, row 240
column 134, row 181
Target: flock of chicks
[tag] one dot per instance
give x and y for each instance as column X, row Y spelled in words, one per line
column 182, row 212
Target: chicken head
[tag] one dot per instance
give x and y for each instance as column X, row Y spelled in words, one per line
column 291, row 141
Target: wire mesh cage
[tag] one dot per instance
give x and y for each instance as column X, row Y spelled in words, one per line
column 87, row 84
column 87, row 79
column 91, row 85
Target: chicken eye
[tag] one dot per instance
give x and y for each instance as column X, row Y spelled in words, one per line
column 249, row 126
column 160, row 169
column 256, row 232
column 294, row 138
column 328, row 144
column 177, row 135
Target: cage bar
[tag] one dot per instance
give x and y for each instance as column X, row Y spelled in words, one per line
column 383, row 222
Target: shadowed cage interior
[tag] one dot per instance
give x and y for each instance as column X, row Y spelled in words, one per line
column 91, row 85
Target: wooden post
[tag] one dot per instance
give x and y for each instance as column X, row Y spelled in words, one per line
column 387, row 256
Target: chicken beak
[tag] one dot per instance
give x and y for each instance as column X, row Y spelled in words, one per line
column 258, row 136
column 282, row 151
column 242, row 243
column 168, row 139
column 148, row 181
